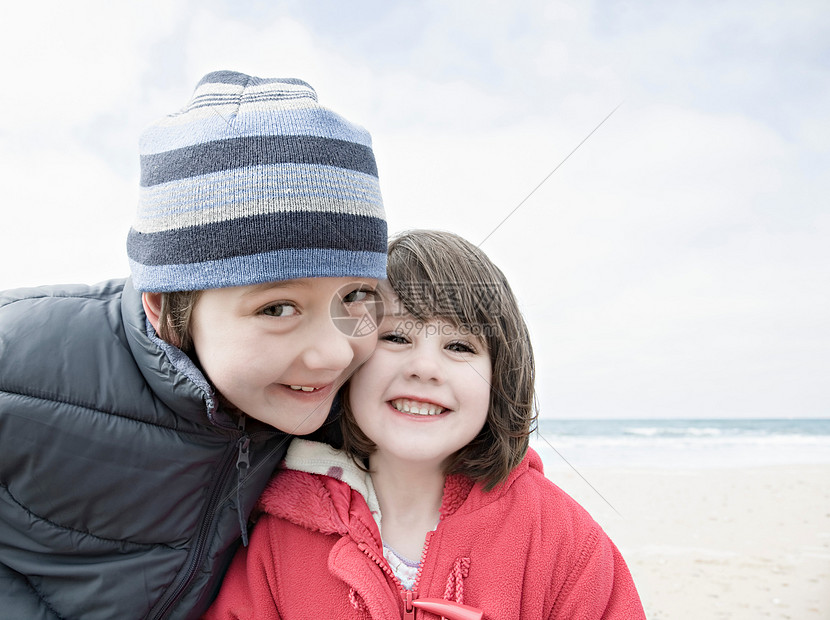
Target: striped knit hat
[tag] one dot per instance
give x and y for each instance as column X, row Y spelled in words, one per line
column 253, row 182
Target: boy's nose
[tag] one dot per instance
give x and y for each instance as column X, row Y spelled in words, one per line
column 329, row 349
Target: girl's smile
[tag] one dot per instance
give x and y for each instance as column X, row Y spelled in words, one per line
column 417, row 407
column 424, row 394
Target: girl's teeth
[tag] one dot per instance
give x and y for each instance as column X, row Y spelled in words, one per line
column 297, row 388
column 417, row 407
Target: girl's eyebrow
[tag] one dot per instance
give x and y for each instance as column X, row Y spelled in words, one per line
column 392, row 319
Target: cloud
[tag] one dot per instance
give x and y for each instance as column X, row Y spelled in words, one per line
column 672, row 265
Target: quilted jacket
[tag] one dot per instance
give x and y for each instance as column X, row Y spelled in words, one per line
column 119, row 485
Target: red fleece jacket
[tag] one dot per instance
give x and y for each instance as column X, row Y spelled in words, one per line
column 525, row 550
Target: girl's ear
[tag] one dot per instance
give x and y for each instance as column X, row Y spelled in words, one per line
column 152, row 308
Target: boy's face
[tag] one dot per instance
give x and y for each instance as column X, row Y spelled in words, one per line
column 280, row 351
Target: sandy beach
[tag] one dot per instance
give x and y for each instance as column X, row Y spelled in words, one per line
column 703, row 544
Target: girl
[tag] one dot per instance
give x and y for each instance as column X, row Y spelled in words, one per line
column 435, row 506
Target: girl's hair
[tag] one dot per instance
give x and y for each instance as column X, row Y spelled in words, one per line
column 439, row 275
column 174, row 318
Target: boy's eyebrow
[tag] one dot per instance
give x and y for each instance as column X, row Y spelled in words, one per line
column 257, row 288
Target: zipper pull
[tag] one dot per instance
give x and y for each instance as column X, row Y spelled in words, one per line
column 408, row 607
column 243, row 462
column 243, row 459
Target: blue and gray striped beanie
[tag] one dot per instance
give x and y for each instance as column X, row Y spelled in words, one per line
column 254, row 181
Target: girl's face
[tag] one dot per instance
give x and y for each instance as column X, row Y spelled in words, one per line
column 424, row 393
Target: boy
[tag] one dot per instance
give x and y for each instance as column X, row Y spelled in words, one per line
column 140, row 419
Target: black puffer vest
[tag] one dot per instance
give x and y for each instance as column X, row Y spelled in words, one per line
column 119, row 474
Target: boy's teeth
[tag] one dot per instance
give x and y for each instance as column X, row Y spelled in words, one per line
column 417, row 407
column 297, row 388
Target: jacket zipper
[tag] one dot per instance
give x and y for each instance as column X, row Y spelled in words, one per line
column 409, row 608
column 407, row 596
column 204, row 529
column 243, row 462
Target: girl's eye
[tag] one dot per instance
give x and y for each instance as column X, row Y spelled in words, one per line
column 394, row 338
column 279, row 310
column 461, row 347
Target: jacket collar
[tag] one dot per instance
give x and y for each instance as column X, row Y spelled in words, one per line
column 317, row 485
column 169, row 372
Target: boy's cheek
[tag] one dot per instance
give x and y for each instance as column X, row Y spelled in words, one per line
column 365, row 348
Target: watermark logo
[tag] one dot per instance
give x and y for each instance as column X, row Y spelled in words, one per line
column 411, row 328
column 356, row 311
column 452, row 299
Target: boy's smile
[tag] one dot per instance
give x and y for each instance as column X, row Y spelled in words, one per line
column 273, row 351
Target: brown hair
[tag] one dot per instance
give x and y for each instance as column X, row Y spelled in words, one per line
column 174, row 318
column 438, row 274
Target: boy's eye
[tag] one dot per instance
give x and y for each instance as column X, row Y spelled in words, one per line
column 358, row 295
column 279, row 310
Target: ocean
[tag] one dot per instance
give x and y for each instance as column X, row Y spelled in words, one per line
column 682, row 443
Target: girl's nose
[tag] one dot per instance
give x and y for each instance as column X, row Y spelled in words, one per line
column 424, row 364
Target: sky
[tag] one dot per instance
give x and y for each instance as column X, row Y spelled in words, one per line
column 652, row 177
